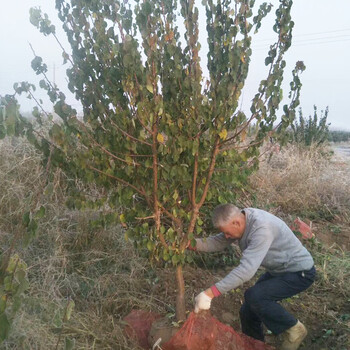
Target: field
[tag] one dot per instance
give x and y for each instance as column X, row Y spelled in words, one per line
column 105, row 277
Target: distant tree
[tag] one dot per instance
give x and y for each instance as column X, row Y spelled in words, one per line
column 311, row 131
column 155, row 132
column 339, row 136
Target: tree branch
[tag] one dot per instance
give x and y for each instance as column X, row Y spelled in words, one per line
column 210, row 170
column 130, row 136
column 118, row 179
column 194, row 181
column 196, row 207
column 106, row 150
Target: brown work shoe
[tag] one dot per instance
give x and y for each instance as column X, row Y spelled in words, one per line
column 293, row 337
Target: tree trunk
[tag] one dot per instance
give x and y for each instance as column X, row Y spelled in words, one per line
column 180, row 298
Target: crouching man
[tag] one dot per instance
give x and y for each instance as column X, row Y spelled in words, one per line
column 267, row 241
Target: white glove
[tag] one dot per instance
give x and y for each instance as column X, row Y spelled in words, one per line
column 202, row 302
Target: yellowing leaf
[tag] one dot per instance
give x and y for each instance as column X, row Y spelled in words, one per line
column 223, row 134
column 129, row 159
column 160, row 138
column 122, row 218
column 169, row 36
column 69, row 310
column 242, row 58
column 149, row 87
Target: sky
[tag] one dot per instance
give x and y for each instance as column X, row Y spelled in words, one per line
column 321, row 39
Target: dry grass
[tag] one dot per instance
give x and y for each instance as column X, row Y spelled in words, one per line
column 97, row 269
column 303, row 182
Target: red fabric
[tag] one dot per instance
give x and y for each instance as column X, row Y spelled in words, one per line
column 204, row 332
column 138, row 326
column 215, row 291
column 303, row 228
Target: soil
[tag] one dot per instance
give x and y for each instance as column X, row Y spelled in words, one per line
column 161, row 329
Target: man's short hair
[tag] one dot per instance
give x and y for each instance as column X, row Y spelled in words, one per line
column 223, row 214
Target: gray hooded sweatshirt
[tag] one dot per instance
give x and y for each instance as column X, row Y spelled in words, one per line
column 267, row 241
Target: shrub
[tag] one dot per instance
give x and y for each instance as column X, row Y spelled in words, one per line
column 339, row 136
column 311, row 131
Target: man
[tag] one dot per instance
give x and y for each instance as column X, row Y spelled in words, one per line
column 267, row 241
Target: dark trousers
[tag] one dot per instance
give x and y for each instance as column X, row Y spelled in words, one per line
column 261, row 302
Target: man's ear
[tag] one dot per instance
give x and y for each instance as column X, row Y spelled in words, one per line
column 236, row 222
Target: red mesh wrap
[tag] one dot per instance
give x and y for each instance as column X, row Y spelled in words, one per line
column 139, row 324
column 204, row 332
column 303, row 228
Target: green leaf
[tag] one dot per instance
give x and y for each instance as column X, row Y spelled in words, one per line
column 4, row 326
column 175, row 259
column 69, row 344
column 57, row 319
column 193, row 243
column 166, row 256
column 268, row 60
column 16, row 303
column 189, row 259
column 176, row 195
column 8, row 283
column 2, row 303
column 150, row 246
column 40, row 213
column 171, row 234
column 26, row 219
column 221, row 200
column 32, row 227
column 23, row 285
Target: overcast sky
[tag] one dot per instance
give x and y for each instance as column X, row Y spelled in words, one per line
column 321, row 38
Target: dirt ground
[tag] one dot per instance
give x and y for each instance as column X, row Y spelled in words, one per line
column 325, row 312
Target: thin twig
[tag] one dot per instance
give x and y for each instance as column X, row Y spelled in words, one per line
column 117, row 179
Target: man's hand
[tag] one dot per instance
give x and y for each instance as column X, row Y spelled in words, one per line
column 202, row 302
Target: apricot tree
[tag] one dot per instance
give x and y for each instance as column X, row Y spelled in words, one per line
column 160, row 137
